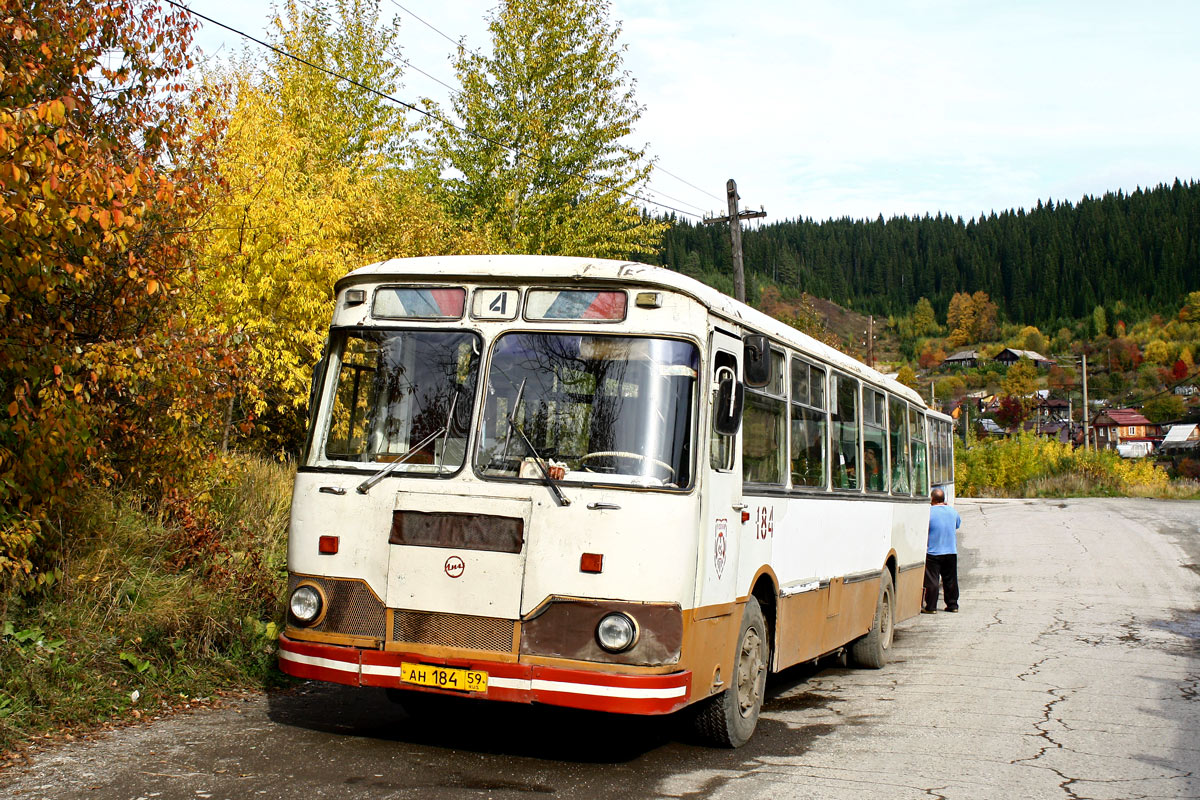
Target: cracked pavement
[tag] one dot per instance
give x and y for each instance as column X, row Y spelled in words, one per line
column 1072, row 671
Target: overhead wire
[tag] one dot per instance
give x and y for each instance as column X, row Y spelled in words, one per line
column 458, row 43
column 396, row 100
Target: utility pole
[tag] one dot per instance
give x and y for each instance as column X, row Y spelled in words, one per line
column 871, row 340
column 735, row 233
column 1087, row 428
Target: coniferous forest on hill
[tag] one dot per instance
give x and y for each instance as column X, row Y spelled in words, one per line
column 1055, row 262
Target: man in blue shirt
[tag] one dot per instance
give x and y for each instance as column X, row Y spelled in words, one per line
column 941, row 558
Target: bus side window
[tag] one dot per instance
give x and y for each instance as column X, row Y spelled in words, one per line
column 898, row 439
column 808, row 425
column 844, row 431
column 874, row 440
column 920, row 472
column 721, row 445
column 764, row 421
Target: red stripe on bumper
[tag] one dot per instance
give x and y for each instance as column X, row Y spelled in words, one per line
column 514, row 683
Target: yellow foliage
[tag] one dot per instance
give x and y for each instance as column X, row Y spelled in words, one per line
column 1026, row 464
column 285, row 228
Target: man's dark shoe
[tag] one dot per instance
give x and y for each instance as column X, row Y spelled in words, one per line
column 928, row 610
column 952, row 610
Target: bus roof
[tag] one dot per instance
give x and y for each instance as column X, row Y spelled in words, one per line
column 599, row 270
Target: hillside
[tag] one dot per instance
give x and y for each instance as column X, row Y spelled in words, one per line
column 1133, row 254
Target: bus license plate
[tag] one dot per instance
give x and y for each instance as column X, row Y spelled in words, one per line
column 462, row 680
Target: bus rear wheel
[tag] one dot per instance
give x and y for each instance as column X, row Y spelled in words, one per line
column 729, row 718
column 873, row 649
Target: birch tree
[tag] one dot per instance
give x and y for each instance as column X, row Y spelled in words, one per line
column 543, row 157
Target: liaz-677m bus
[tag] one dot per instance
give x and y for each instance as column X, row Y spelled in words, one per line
column 596, row 484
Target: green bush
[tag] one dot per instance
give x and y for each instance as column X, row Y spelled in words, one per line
column 155, row 604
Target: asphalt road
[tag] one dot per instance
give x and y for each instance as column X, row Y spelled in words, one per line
column 1073, row 671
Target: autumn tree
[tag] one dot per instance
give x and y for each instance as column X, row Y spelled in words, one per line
column 1156, row 352
column 1190, row 312
column 924, row 321
column 541, row 150
column 931, row 356
column 100, row 376
column 315, row 184
column 1032, row 339
column 1012, row 412
column 970, row 318
column 1020, row 380
column 1163, row 408
column 1123, row 354
column 1061, row 378
column 907, row 376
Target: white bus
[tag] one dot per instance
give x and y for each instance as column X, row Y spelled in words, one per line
column 596, row 484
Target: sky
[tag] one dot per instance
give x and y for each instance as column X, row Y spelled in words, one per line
column 833, row 109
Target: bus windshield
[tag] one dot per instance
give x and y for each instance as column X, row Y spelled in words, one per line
column 401, row 395
column 596, row 408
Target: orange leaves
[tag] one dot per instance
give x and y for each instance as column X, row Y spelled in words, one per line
column 92, row 374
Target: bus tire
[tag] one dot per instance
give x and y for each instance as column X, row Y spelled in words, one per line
column 729, row 718
column 873, row 649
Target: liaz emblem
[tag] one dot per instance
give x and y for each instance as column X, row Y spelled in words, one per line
column 720, row 534
column 455, row 567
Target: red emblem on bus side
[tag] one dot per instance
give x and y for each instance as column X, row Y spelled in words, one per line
column 722, row 528
column 455, row 567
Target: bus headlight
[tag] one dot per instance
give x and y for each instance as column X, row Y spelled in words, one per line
column 305, row 604
column 616, row 632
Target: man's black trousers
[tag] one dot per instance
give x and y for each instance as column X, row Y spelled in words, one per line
column 941, row 570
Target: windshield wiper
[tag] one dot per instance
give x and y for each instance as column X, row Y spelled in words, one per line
column 551, row 484
column 366, row 485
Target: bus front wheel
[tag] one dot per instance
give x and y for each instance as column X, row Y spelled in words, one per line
column 729, row 718
column 872, row 650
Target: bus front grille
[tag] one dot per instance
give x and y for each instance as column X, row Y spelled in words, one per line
column 453, row 630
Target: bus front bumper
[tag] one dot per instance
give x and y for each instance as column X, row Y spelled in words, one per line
column 514, row 683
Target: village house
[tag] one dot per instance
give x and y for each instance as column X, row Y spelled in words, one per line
column 1182, row 439
column 1113, row 426
column 963, row 358
column 1051, row 409
column 1010, row 356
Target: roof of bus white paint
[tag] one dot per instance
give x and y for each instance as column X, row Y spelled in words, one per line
column 598, row 270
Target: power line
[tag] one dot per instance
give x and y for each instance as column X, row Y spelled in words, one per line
column 447, row 37
column 686, row 183
column 396, row 100
column 676, row 199
column 426, row 24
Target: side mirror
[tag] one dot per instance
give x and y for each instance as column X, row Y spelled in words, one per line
column 757, row 360
column 727, row 414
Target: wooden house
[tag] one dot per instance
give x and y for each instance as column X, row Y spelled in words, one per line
column 1011, row 355
column 963, row 358
column 1113, row 426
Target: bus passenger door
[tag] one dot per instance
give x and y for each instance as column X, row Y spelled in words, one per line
column 721, row 506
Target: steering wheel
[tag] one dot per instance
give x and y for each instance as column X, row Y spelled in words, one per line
column 632, row 456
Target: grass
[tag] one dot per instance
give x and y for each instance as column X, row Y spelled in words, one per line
column 157, row 605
